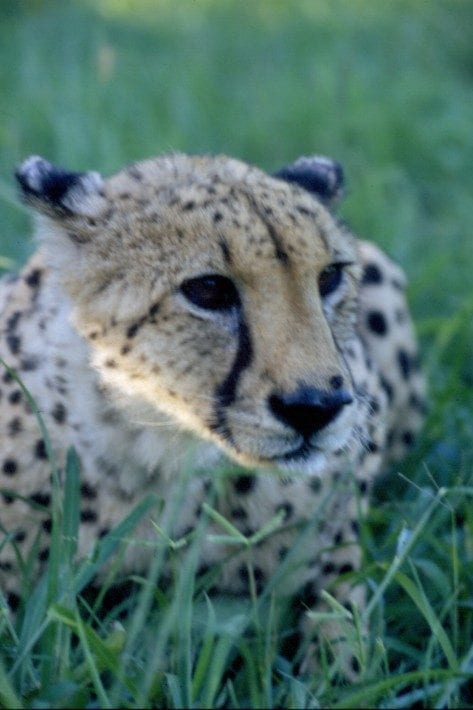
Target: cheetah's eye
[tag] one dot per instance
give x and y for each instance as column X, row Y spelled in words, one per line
column 330, row 278
column 212, row 292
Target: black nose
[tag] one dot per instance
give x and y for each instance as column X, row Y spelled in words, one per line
column 307, row 409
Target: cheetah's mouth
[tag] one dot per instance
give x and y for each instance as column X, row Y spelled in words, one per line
column 305, row 455
column 302, row 452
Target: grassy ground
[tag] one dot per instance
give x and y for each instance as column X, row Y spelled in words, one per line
column 385, row 88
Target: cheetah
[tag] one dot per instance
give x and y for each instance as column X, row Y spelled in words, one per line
column 191, row 311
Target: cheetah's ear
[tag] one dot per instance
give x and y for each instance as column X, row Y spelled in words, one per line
column 57, row 192
column 316, row 173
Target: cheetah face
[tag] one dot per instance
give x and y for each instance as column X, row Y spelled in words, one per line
column 221, row 296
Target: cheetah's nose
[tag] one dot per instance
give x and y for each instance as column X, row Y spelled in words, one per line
column 307, row 409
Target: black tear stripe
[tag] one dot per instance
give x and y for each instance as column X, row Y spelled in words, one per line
column 225, row 393
column 281, row 254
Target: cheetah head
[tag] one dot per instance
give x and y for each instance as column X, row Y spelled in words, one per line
column 220, row 295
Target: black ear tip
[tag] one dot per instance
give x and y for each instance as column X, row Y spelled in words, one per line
column 42, row 182
column 318, row 174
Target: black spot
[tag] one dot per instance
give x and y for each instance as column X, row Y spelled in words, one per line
column 44, row 555
column 12, row 323
column 372, row 447
column 6, row 566
column 336, row 382
column 88, row 492
column 217, row 217
column 14, row 343
column 225, row 251
column 7, row 498
column 7, row 377
column 291, row 644
column 408, row 438
column 286, row 508
column 308, row 597
column 346, row 568
column 29, row 363
column 282, row 552
column 397, row 285
column 125, row 349
column 134, row 173
column 258, row 576
column 188, row 205
column 40, row 449
column 328, row 568
column 387, row 387
column 20, row 536
column 47, row 525
column 14, row 397
column 315, row 484
column 355, row 664
column 338, row 538
column 14, row 426
column 33, row 279
column 372, row 274
column 363, row 487
column 377, row 322
column 134, row 328
column 243, row 573
column 110, row 363
column 13, row 601
column 374, row 405
column 88, row 516
column 239, row 513
column 244, row 484
column 304, row 211
column 153, row 311
column 40, row 498
column 404, row 362
column 355, row 526
column 417, row 403
column 77, row 238
column 203, row 569
column 103, row 532
column 10, row 467
column 59, row 413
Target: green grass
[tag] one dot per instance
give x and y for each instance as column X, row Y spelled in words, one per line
column 386, row 89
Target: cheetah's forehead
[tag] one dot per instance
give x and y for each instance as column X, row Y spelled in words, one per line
column 222, row 205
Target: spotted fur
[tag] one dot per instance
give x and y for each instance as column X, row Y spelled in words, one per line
column 190, row 309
